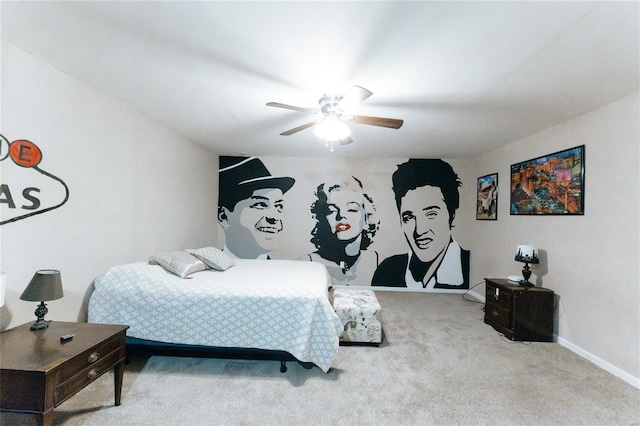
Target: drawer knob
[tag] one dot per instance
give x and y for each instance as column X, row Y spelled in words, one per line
column 93, row 357
column 93, row 374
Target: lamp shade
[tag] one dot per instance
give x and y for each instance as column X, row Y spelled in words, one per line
column 527, row 254
column 46, row 284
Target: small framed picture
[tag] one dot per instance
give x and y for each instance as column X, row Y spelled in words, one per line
column 487, row 207
column 549, row 185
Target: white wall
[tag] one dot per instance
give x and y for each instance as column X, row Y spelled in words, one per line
column 136, row 188
column 592, row 261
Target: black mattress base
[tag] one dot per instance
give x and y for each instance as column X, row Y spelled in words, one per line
column 149, row 347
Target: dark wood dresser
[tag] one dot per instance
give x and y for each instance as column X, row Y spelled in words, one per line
column 520, row 313
column 39, row 372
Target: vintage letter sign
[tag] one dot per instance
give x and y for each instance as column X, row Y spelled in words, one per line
column 23, row 193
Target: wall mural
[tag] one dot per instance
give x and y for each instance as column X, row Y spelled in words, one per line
column 20, row 202
column 344, row 225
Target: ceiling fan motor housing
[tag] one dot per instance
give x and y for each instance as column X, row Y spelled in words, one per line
column 329, row 105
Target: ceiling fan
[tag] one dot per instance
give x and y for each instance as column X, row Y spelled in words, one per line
column 334, row 113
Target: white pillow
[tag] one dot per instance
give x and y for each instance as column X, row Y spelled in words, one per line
column 178, row 262
column 213, row 258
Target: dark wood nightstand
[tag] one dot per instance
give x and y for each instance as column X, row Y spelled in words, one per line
column 39, row 372
column 520, row 313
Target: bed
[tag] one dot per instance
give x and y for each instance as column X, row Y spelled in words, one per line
column 259, row 309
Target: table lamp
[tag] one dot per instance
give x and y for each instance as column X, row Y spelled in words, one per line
column 45, row 285
column 526, row 254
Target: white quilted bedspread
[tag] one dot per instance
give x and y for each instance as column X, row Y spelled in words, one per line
column 264, row 304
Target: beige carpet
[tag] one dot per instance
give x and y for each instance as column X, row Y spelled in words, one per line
column 439, row 364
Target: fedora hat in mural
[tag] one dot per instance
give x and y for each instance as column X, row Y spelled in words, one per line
column 240, row 176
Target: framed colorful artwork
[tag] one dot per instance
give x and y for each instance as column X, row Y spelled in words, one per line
column 487, row 198
column 549, row 185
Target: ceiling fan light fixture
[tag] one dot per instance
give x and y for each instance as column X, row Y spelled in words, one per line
column 330, row 123
column 332, row 129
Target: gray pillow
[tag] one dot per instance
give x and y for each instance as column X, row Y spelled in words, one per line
column 178, row 262
column 213, row 258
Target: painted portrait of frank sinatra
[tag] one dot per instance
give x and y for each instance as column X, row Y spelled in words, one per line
column 250, row 207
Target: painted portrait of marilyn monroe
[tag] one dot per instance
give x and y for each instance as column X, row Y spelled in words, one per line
column 346, row 223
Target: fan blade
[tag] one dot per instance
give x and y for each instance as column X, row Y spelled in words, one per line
column 356, row 95
column 392, row 123
column 346, row 141
column 295, row 108
column 299, row 128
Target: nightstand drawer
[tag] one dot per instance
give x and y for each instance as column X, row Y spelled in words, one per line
column 87, row 358
column 498, row 296
column 498, row 314
column 82, row 378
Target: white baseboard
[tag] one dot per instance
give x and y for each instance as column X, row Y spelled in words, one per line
column 633, row 381
column 477, row 296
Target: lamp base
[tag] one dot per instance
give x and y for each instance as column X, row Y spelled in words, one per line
column 40, row 312
column 526, row 273
column 40, row 324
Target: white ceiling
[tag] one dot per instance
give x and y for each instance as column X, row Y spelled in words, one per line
column 466, row 77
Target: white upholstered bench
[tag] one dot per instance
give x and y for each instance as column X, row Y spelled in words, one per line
column 361, row 315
